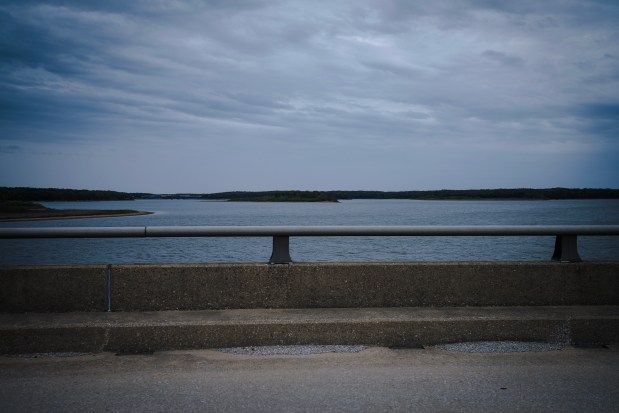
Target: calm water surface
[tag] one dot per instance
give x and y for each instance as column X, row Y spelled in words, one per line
column 355, row 212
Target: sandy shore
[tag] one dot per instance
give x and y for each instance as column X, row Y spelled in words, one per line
column 67, row 214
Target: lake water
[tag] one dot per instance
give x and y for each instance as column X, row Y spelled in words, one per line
column 304, row 249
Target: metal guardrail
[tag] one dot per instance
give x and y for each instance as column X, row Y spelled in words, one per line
column 566, row 249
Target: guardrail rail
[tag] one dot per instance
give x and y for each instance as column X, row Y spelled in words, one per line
column 565, row 250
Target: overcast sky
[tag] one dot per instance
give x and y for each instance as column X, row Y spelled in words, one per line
column 206, row 96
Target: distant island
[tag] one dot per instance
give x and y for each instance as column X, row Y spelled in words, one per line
column 288, row 196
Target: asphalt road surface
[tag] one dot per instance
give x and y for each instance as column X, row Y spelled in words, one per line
column 370, row 380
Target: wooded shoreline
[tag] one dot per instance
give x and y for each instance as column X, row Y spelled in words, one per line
column 56, row 194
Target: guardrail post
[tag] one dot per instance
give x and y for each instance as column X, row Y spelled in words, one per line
column 281, row 250
column 566, row 249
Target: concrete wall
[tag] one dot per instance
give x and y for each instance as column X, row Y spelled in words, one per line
column 53, row 289
column 313, row 285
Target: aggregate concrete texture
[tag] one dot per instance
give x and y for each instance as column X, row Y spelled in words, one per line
column 53, row 288
column 374, row 380
column 162, row 287
column 397, row 327
column 331, row 285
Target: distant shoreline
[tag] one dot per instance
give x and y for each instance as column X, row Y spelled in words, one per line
column 24, row 194
column 435, row 195
column 69, row 214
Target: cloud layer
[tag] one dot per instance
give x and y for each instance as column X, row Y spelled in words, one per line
column 171, row 96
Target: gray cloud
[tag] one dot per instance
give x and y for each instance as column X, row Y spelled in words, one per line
column 503, row 59
column 282, row 79
column 10, row 149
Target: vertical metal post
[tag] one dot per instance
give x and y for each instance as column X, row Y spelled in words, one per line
column 109, row 287
column 566, row 249
column 281, row 250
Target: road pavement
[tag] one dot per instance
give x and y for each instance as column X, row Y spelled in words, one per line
column 375, row 379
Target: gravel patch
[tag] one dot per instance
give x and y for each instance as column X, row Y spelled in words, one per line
column 298, row 350
column 500, row 347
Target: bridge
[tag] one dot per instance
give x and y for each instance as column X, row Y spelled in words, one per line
column 150, row 307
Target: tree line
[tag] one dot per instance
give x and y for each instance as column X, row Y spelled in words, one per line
column 442, row 194
column 57, row 194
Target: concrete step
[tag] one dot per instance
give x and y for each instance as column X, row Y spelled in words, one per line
column 403, row 326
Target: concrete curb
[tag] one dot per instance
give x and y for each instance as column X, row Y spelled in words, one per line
column 177, row 330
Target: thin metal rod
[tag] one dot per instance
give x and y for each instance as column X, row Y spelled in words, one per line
column 109, row 287
column 73, row 232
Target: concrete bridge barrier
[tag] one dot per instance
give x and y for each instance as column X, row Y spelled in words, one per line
column 165, row 287
column 135, row 308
